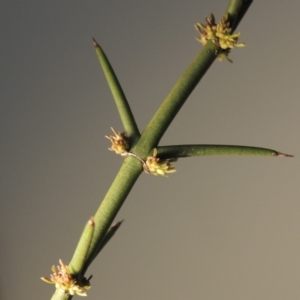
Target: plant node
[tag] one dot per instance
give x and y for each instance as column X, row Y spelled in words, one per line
column 220, row 34
column 63, row 279
column 153, row 165
column 120, row 142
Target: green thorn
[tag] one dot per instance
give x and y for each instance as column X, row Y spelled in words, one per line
column 79, row 258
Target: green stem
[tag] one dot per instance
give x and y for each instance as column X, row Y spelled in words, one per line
column 236, row 10
column 132, row 168
column 110, row 233
column 112, row 202
column 174, row 101
column 101, row 243
column 177, row 151
column 125, row 112
column 78, row 260
column 184, row 87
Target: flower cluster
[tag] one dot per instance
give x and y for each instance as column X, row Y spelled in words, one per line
column 155, row 166
column 63, row 279
column 208, row 31
column 219, row 34
column 120, row 143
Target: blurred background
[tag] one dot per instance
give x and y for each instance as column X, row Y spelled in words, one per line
column 221, row 227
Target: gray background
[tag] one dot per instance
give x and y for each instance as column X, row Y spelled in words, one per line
column 219, row 228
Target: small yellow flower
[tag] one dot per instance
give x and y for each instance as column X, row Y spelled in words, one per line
column 63, row 279
column 225, row 38
column 120, row 143
column 155, row 166
column 219, row 34
column 208, row 31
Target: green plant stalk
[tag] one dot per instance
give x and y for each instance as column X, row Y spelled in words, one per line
column 183, row 88
column 132, row 168
column 110, row 233
column 112, row 202
column 78, row 260
column 234, row 6
column 177, row 151
column 174, row 101
column 109, row 207
column 123, row 106
column 101, row 244
column 76, row 265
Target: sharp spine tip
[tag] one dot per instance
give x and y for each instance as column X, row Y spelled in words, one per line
column 116, row 225
column 95, row 43
column 284, row 155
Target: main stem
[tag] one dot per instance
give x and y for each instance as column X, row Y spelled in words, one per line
column 113, row 200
